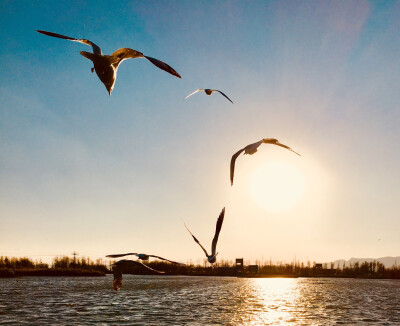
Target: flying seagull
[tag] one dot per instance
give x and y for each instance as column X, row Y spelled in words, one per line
column 212, row 258
column 209, row 92
column 252, row 148
column 106, row 66
column 142, row 257
column 124, row 265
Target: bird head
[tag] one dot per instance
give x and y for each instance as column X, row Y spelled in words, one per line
column 109, row 88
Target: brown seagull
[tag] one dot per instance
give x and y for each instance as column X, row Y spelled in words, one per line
column 252, row 148
column 209, row 92
column 106, row 66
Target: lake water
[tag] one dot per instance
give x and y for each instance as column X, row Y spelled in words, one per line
column 179, row 300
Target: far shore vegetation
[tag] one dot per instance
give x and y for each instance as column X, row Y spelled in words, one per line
column 66, row 266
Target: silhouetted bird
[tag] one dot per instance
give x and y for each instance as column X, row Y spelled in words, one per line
column 252, row 148
column 142, row 257
column 124, row 265
column 212, row 258
column 209, row 92
column 106, row 66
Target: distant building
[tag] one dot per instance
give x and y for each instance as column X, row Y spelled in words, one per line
column 239, row 265
column 318, row 266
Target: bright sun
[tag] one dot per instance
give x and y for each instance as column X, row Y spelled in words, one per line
column 277, row 186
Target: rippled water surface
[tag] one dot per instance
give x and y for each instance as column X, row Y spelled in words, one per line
column 178, row 300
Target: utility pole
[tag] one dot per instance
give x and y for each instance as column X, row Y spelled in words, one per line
column 75, row 253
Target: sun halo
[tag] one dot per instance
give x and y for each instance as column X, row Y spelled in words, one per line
column 276, row 186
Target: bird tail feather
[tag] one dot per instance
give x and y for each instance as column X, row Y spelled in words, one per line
column 90, row 56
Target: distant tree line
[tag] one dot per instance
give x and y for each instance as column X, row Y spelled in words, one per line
column 82, row 263
column 58, row 262
column 20, row 263
column 222, row 268
column 372, row 269
column 61, row 266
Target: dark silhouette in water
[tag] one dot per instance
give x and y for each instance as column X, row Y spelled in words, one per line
column 213, row 257
column 252, row 148
column 209, row 92
column 123, row 266
column 106, row 66
column 142, row 257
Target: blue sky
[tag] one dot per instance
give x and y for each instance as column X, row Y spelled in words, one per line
column 84, row 171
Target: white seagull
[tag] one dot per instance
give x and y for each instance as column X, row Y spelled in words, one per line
column 252, row 148
column 123, row 266
column 106, row 66
column 208, row 92
column 213, row 257
column 142, row 257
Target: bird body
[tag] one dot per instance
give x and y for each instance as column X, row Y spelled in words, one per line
column 209, row 92
column 252, row 148
column 106, row 66
column 143, row 256
column 213, row 257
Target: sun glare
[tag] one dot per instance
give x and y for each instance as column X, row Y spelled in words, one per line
column 277, row 186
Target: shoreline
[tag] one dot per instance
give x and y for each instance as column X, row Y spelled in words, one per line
column 12, row 273
column 58, row 272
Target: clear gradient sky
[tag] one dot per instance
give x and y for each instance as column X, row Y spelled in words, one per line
column 83, row 171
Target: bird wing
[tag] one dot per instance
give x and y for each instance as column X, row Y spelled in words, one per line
column 233, row 159
column 124, row 263
column 276, row 142
column 122, row 54
column 122, row 255
column 96, row 48
column 217, row 231
column 162, row 65
column 148, row 267
column 198, row 242
column 223, row 95
column 125, row 53
column 199, row 90
column 171, row 261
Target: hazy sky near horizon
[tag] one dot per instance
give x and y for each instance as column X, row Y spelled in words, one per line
column 83, row 171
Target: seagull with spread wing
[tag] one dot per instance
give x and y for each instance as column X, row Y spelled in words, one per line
column 142, row 257
column 213, row 257
column 252, row 148
column 209, row 92
column 123, row 266
column 106, row 66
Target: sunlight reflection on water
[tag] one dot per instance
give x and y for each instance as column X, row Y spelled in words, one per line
column 266, row 300
column 178, row 300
